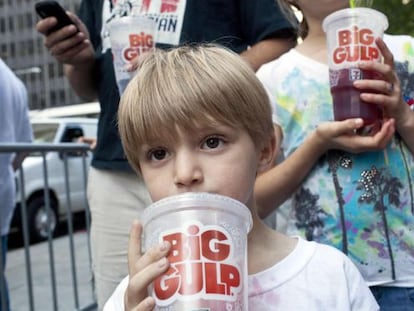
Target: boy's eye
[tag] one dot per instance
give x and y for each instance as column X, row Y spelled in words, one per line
column 158, row 154
column 212, row 142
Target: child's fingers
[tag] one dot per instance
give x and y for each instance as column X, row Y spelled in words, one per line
column 342, row 135
column 137, row 261
column 331, row 130
column 383, row 136
column 384, row 70
column 152, row 255
column 143, row 269
column 385, row 51
column 137, row 292
column 389, row 86
column 359, row 143
column 144, row 277
column 146, row 305
column 134, row 246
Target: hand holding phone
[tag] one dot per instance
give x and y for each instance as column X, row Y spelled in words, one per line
column 52, row 8
column 70, row 47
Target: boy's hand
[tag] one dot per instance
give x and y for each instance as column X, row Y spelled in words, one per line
column 143, row 269
column 67, row 45
column 341, row 135
column 389, row 94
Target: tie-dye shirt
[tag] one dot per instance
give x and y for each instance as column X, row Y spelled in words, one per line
column 363, row 204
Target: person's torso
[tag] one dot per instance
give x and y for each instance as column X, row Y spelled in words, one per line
column 308, row 272
column 14, row 128
column 363, row 204
column 229, row 22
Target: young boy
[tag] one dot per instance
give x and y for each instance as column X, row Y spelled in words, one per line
column 196, row 119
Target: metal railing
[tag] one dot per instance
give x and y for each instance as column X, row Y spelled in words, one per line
column 32, row 294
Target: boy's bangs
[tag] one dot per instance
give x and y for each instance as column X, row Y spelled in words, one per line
column 186, row 104
column 180, row 112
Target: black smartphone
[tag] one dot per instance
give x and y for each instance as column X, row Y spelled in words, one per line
column 52, row 8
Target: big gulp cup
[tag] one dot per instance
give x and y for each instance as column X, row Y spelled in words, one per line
column 131, row 36
column 351, row 35
column 208, row 256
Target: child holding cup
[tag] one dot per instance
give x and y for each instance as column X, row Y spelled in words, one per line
column 359, row 202
column 196, row 119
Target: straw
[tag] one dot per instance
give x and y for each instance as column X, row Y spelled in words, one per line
column 360, row 3
column 386, row 159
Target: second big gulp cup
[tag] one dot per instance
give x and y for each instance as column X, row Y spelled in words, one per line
column 131, row 36
column 351, row 35
column 208, row 255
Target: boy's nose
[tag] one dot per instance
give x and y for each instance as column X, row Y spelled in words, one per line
column 187, row 170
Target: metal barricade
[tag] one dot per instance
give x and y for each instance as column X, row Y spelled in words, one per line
column 67, row 282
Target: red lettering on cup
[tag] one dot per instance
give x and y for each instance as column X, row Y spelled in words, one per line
column 355, row 45
column 201, row 266
column 142, row 39
column 167, row 285
column 211, row 247
column 138, row 44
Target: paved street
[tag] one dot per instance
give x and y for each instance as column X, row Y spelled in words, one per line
column 42, row 288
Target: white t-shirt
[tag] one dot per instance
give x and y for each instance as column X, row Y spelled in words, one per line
column 14, row 127
column 313, row 277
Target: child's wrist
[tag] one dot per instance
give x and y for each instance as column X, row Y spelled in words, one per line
column 405, row 120
column 317, row 142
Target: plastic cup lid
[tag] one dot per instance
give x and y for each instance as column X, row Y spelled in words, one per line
column 203, row 200
column 365, row 13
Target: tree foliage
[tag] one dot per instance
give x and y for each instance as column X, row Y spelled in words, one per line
column 400, row 15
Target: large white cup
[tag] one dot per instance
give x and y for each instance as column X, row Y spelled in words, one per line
column 351, row 35
column 130, row 36
column 208, row 256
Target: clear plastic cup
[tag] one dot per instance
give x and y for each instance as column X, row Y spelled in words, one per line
column 131, row 36
column 208, row 256
column 351, row 35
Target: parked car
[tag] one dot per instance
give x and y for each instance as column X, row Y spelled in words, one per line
column 85, row 110
column 53, row 130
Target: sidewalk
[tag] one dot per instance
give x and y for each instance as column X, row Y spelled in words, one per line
column 41, row 276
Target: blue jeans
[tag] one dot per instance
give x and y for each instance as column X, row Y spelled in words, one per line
column 394, row 298
column 4, row 291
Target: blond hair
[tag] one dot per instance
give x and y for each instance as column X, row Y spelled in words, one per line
column 188, row 86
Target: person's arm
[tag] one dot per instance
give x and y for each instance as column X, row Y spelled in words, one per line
column 81, row 78
column 74, row 49
column 277, row 184
column 266, row 50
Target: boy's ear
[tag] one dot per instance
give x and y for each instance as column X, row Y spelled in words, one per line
column 267, row 155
